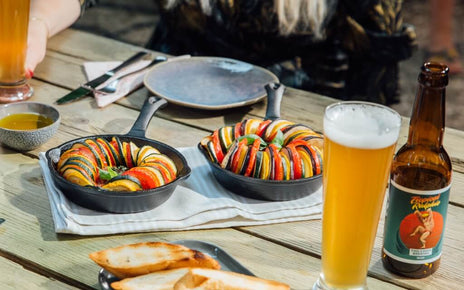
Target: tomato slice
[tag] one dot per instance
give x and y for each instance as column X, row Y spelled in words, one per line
column 316, row 161
column 80, row 161
column 242, row 155
column 236, row 157
column 252, row 156
column 163, row 159
column 115, row 154
column 158, row 174
column 245, row 160
column 79, row 151
column 273, row 128
column 277, row 173
column 297, row 170
column 237, row 130
column 217, row 147
column 107, row 151
column 147, row 180
column 128, row 155
column 89, row 144
column 262, row 127
column 298, row 142
column 119, row 148
column 99, row 150
column 306, row 161
column 163, row 170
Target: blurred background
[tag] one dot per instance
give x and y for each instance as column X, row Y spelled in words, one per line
column 134, row 22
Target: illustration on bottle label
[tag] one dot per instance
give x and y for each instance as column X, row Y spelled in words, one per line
column 415, row 223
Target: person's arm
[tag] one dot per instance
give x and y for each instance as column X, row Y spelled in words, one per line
column 47, row 18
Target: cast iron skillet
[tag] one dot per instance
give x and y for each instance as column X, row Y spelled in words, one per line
column 256, row 188
column 122, row 202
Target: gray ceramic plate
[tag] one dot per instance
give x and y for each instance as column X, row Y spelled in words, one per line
column 210, row 83
column 225, row 260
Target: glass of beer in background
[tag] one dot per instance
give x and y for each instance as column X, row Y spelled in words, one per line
column 359, row 144
column 14, row 21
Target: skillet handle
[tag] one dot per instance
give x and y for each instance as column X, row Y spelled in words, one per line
column 151, row 105
column 275, row 92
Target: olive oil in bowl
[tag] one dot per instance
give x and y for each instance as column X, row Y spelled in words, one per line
column 25, row 121
column 27, row 125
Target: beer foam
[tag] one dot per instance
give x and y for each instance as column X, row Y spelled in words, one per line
column 362, row 125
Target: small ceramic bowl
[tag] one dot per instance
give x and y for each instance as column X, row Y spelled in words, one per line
column 25, row 140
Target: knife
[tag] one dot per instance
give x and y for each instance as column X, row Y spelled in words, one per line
column 88, row 87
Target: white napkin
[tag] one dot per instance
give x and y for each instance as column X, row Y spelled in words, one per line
column 199, row 202
column 125, row 85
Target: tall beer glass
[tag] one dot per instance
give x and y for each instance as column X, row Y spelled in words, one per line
column 14, row 21
column 359, row 145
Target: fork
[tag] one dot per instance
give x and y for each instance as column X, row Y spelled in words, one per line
column 111, row 87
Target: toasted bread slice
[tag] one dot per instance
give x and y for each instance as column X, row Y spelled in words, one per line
column 143, row 258
column 197, row 279
column 161, row 280
column 210, row 279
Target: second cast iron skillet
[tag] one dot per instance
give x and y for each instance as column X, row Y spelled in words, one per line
column 273, row 190
column 122, row 202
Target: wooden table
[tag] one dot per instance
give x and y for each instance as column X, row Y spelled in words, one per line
column 33, row 256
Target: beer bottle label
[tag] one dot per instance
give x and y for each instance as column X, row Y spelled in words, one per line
column 414, row 224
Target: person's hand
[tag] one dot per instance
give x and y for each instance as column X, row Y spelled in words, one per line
column 36, row 45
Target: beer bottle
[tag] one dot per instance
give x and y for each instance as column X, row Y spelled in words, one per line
column 420, row 183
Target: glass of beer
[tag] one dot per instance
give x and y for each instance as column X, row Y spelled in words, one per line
column 14, row 21
column 359, row 144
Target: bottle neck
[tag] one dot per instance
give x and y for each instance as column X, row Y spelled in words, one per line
column 427, row 123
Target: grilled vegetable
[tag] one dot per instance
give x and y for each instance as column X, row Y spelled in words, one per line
column 123, row 183
column 116, row 165
column 277, row 150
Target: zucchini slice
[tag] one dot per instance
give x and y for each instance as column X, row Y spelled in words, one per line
column 77, row 176
column 118, row 146
column 123, row 183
